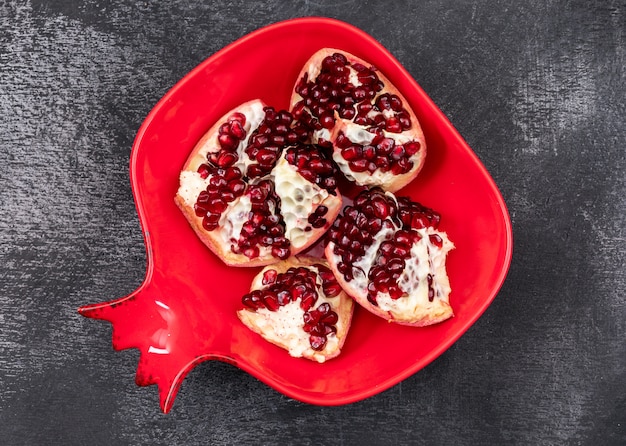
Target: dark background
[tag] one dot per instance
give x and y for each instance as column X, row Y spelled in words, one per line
column 536, row 88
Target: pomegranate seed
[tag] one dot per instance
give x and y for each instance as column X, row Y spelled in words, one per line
column 400, row 167
column 397, row 153
column 224, row 129
column 317, row 342
column 308, row 301
column 237, row 130
column 266, row 157
column 367, row 77
column 384, row 102
column 381, row 209
column 237, row 187
column 395, row 292
column 369, row 152
column 364, row 108
column 270, row 300
column 217, row 205
column 253, row 300
column 329, row 318
column 323, row 308
column 431, row 291
column 405, row 120
column 347, row 113
column 275, row 231
column 331, row 289
column 436, row 240
column 343, row 141
column 318, row 223
column 395, row 265
column 227, row 142
column 351, row 153
column 251, row 252
column 319, row 166
column 359, row 94
column 280, row 253
column 393, row 125
column 327, row 120
column 257, row 194
column 212, row 157
column 411, row 148
column 308, row 175
column 395, row 103
column 203, row 170
column 237, row 117
column 283, row 297
column 403, row 237
column 265, row 240
column 360, row 165
column 199, row 210
column 232, row 173
column 259, row 140
column 203, row 198
column 269, row 276
column 313, row 164
column 209, row 224
column 248, row 228
column 226, row 159
column 217, row 180
column 379, row 121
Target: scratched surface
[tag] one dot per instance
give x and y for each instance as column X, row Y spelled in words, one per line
column 536, row 88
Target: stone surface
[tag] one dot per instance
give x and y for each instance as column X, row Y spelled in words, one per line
column 537, row 90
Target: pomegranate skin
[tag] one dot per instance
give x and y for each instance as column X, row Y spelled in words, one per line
column 365, row 102
column 263, row 319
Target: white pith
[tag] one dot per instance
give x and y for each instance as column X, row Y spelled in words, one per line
column 191, row 184
column 286, row 324
column 299, row 198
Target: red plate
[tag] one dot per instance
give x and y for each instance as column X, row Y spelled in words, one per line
column 184, row 312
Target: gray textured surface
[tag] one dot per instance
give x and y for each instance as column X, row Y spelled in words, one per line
column 536, row 88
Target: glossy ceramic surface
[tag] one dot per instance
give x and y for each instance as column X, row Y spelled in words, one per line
column 184, row 312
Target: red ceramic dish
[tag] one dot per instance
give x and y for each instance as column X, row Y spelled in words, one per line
column 184, row 312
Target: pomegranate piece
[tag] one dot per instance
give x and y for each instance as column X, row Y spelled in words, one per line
column 346, row 103
column 253, row 192
column 389, row 255
column 298, row 305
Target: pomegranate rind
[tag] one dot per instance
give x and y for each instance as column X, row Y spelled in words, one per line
column 212, row 239
column 341, row 304
column 415, row 133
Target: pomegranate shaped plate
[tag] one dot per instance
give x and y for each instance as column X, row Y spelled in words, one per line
column 185, row 311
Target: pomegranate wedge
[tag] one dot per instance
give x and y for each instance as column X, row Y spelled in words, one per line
column 299, row 306
column 348, row 104
column 253, row 192
column 389, row 256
